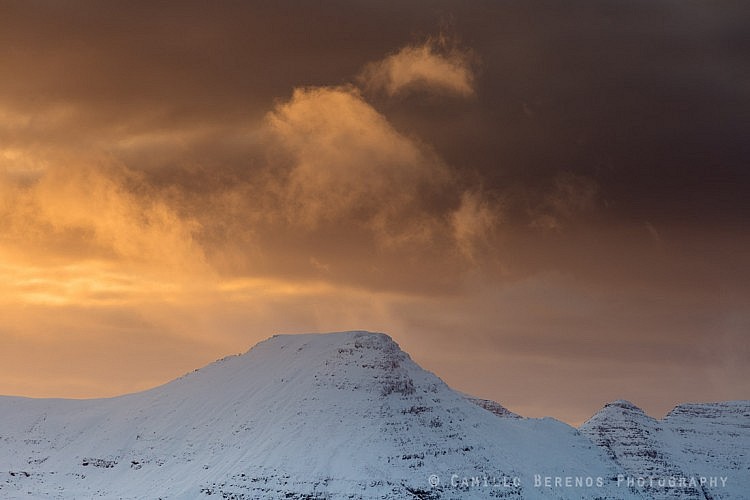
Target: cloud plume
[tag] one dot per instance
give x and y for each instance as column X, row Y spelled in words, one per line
column 436, row 66
column 347, row 161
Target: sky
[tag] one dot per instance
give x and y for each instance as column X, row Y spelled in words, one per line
column 544, row 203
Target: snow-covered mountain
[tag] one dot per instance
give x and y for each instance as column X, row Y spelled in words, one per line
column 698, row 451
column 344, row 415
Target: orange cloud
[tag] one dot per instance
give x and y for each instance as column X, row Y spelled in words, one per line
column 349, row 163
column 475, row 220
column 85, row 212
column 433, row 66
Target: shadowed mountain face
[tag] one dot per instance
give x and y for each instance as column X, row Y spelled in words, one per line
column 347, row 415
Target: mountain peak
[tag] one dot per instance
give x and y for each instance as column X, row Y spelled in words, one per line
column 353, row 339
column 340, row 336
column 620, row 410
column 624, row 405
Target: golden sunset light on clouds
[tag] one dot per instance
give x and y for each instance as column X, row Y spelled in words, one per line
column 545, row 210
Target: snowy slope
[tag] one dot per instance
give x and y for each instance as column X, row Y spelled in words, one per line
column 694, row 441
column 345, row 415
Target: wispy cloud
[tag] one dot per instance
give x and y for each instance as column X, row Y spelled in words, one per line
column 435, row 66
column 474, row 222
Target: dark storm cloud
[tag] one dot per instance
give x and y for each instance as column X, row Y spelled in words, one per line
column 650, row 99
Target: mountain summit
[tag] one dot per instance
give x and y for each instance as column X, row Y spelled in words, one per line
column 313, row 416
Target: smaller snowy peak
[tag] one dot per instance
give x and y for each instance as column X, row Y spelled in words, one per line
column 726, row 412
column 624, row 405
column 622, row 411
column 713, row 439
column 617, row 419
column 633, row 440
column 696, row 440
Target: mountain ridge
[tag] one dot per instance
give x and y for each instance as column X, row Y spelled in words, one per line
column 341, row 415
